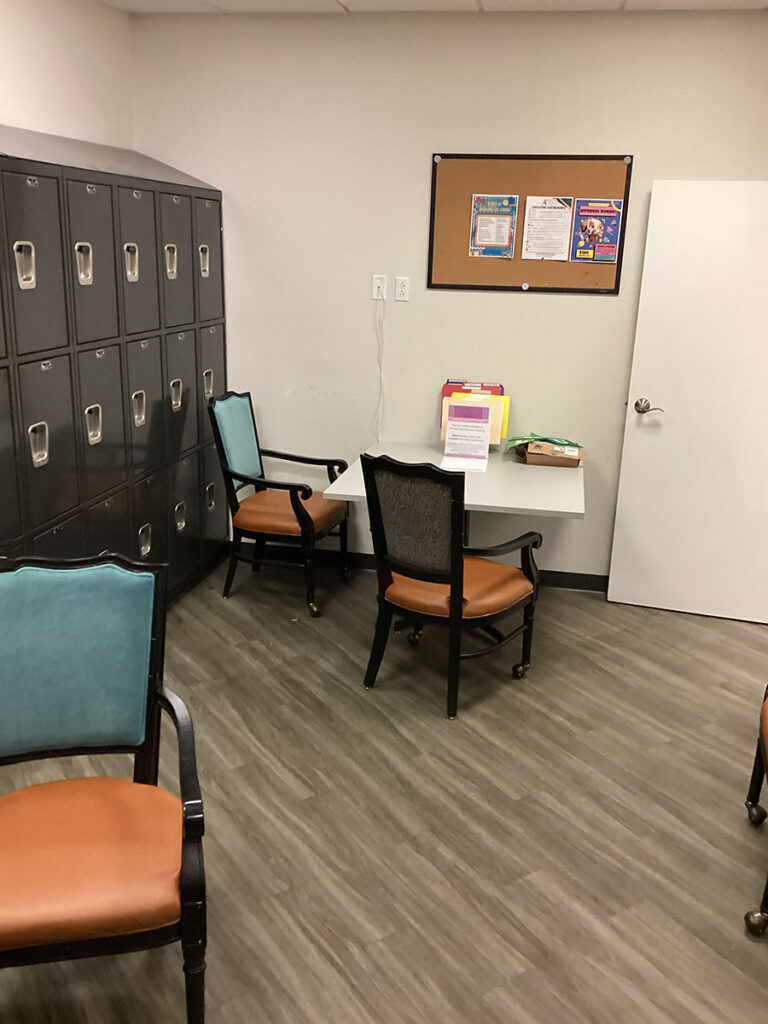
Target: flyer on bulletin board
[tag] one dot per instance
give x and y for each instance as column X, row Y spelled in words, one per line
column 547, row 227
column 596, row 229
column 494, row 220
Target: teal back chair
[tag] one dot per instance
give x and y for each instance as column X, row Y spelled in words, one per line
column 277, row 513
column 98, row 864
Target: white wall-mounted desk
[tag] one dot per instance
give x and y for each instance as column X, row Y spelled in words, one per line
column 506, row 486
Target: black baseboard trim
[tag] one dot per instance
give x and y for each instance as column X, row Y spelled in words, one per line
column 549, row 577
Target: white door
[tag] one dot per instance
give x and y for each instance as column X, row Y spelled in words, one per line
column 691, row 529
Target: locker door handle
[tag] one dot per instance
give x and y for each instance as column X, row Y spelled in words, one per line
column 93, row 423
column 131, row 252
column 180, row 515
column 171, row 261
column 139, row 405
column 145, row 539
column 208, row 384
column 84, row 259
column 38, row 443
column 26, row 275
column 210, row 497
column 176, row 391
column 205, row 261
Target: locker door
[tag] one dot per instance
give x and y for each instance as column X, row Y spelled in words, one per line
column 138, row 245
column 210, row 296
column 214, row 513
column 176, row 240
column 212, row 378
column 149, row 528
column 101, row 419
column 35, row 260
column 10, row 525
column 48, row 438
column 3, row 344
column 146, row 404
column 62, row 541
column 107, row 526
column 184, row 519
column 181, row 392
column 92, row 258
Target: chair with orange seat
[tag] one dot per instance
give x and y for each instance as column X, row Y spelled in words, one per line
column 277, row 512
column 100, row 864
column 425, row 573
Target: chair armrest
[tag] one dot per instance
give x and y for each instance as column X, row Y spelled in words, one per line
column 525, row 540
column 191, row 798
column 304, row 491
column 332, row 465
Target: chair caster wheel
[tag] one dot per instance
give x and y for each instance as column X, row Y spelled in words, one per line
column 518, row 671
column 346, row 574
column 314, row 611
column 367, row 687
column 756, row 814
column 414, row 637
column 756, row 922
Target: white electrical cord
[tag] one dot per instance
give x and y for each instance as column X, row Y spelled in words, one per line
column 378, row 326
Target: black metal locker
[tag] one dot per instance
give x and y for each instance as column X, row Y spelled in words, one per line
column 210, row 294
column 138, row 248
column 107, row 526
column 149, row 527
column 181, row 392
column 33, row 233
column 48, row 438
column 62, row 541
column 184, row 519
column 146, row 404
column 101, row 419
column 214, row 511
column 3, row 343
column 10, row 524
column 176, row 241
column 212, row 376
column 92, row 259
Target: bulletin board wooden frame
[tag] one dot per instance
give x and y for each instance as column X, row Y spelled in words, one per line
column 456, row 177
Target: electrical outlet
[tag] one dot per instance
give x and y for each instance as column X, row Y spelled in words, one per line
column 402, row 289
column 378, row 286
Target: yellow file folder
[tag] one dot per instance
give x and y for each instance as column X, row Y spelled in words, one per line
column 498, row 404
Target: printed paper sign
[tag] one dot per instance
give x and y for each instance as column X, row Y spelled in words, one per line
column 467, row 433
column 547, row 227
column 494, row 219
column 596, row 226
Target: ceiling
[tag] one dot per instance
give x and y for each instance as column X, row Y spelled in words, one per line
column 391, row 6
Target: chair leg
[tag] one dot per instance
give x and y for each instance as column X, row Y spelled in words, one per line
column 454, row 663
column 383, row 622
column 194, row 983
column 258, row 554
column 308, row 549
column 234, row 551
column 756, row 813
column 757, row 920
column 346, row 571
column 519, row 670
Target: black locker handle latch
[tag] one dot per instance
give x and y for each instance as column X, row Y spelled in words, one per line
column 176, row 391
column 93, row 423
column 171, row 261
column 180, row 515
column 38, row 443
column 84, row 260
column 131, row 252
column 145, row 539
column 208, row 384
column 210, row 496
column 139, row 407
column 26, row 275
column 205, row 260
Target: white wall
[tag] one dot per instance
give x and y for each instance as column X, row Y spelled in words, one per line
column 320, row 134
column 65, row 68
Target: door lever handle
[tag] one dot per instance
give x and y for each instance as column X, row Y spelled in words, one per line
column 642, row 405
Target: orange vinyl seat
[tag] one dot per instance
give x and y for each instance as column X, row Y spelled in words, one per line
column 272, row 512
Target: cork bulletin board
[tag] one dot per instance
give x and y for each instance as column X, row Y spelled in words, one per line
column 458, row 178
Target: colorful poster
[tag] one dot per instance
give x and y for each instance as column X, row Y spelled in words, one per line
column 596, row 228
column 547, row 227
column 494, row 219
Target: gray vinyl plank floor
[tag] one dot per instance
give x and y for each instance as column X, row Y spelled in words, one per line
column 572, row 848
